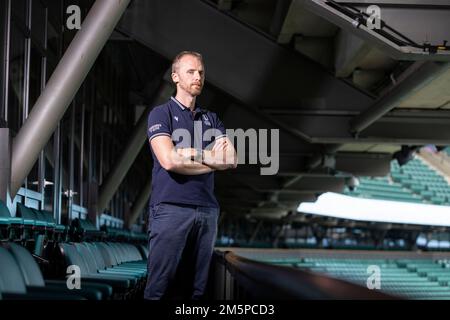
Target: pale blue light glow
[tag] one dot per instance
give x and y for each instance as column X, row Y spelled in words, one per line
column 341, row 206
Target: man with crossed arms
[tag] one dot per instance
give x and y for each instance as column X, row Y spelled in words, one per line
column 188, row 144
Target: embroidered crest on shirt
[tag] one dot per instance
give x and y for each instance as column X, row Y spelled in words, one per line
column 176, row 118
column 206, row 120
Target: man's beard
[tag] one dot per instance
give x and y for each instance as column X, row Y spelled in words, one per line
column 192, row 89
column 196, row 90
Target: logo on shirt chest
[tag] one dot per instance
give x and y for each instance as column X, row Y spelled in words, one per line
column 206, row 120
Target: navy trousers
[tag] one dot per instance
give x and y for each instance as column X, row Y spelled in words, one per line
column 175, row 230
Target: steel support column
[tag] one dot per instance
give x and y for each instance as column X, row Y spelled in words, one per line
column 62, row 87
column 5, row 164
column 4, row 55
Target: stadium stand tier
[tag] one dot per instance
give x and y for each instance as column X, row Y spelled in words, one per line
column 413, row 182
column 406, row 275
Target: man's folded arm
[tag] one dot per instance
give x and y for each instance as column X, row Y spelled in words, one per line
column 178, row 162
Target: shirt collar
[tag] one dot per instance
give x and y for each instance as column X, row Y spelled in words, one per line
column 183, row 107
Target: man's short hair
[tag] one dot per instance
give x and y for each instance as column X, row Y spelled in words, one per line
column 176, row 60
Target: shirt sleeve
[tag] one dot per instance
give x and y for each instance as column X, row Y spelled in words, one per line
column 158, row 124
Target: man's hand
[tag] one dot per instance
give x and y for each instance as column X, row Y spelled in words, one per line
column 222, row 156
column 220, row 146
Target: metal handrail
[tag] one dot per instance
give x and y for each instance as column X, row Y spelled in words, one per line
column 265, row 281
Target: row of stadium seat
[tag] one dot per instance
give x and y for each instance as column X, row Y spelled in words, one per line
column 412, row 182
column 408, row 278
column 21, row 278
column 27, row 222
column 37, row 247
column 123, row 234
column 119, row 265
column 30, row 222
column 382, row 188
column 423, row 181
column 107, row 271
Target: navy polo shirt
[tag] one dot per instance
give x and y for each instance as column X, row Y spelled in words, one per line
column 187, row 129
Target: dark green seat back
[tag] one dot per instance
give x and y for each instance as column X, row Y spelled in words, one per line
column 27, row 265
column 4, row 212
column 25, row 212
column 11, row 279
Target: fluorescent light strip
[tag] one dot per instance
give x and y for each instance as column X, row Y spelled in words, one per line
column 341, row 206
